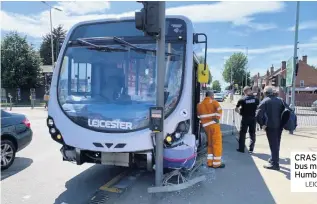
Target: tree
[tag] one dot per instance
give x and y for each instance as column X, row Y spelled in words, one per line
column 201, row 60
column 237, row 63
column 20, row 64
column 46, row 49
column 216, row 85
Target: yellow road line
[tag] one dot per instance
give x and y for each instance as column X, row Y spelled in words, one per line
column 107, row 186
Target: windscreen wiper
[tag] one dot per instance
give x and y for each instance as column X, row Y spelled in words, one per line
column 100, row 48
column 123, row 42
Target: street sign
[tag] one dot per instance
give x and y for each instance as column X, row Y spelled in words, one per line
column 289, row 72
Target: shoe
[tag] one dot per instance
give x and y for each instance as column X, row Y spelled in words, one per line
column 272, row 166
column 270, row 160
column 239, row 150
column 250, row 152
column 222, row 165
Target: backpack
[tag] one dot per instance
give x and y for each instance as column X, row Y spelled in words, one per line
column 288, row 118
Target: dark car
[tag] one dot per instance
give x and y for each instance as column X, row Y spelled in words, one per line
column 16, row 134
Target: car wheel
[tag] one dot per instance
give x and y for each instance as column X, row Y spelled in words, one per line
column 8, row 151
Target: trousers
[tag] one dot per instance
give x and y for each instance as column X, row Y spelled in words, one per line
column 274, row 137
column 247, row 122
column 214, row 148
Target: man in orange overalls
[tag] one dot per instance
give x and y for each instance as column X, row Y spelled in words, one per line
column 209, row 111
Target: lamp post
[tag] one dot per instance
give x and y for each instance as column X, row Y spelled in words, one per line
column 295, row 58
column 52, row 45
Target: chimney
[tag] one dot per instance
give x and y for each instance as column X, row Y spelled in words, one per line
column 304, row 59
column 283, row 65
column 272, row 69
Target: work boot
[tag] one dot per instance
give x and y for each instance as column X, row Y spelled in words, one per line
column 239, row 150
column 272, row 166
column 222, row 165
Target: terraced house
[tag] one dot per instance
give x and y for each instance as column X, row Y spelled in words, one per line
column 306, row 81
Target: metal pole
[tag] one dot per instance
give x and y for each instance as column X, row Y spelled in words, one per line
column 246, row 68
column 160, row 68
column 52, row 45
column 295, row 56
column 287, row 95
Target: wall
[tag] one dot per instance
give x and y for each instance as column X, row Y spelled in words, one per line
column 306, row 73
column 305, row 99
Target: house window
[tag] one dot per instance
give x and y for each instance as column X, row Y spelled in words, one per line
column 301, row 83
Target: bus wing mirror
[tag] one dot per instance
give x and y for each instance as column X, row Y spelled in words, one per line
column 203, row 74
column 203, row 71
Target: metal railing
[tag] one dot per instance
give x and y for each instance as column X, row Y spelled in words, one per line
column 231, row 120
column 306, row 116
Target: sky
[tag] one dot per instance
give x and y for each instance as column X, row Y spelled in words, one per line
column 265, row 28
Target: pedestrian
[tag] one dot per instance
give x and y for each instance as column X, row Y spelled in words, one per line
column 209, row 111
column 269, row 118
column 248, row 104
column 46, row 99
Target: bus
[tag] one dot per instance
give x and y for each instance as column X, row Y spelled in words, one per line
column 104, row 84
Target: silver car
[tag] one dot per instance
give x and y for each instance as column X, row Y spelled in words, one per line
column 219, row 97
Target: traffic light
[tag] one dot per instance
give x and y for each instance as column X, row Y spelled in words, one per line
column 147, row 19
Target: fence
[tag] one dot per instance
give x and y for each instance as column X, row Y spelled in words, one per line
column 231, row 120
column 306, row 116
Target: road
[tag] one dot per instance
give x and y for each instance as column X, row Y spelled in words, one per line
column 39, row 176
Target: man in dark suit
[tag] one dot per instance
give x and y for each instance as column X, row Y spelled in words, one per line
column 269, row 118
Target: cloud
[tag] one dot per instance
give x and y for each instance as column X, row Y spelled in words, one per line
column 305, row 26
column 238, row 13
column 270, row 49
column 83, row 7
column 239, row 33
column 38, row 25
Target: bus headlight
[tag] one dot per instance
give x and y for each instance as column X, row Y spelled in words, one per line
column 178, row 135
column 53, row 130
column 181, row 129
column 169, row 139
column 50, row 122
column 59, row 136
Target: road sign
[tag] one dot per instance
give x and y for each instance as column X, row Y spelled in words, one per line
column 289, row 72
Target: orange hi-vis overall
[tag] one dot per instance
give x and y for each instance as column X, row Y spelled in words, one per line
column 209, row 112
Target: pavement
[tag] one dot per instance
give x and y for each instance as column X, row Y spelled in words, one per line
column 39, row 176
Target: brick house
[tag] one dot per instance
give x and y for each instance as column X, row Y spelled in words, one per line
column 306, row 82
